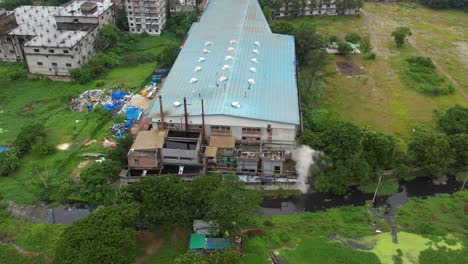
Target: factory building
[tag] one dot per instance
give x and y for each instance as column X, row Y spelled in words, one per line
column 230, row 101
column 53, row 39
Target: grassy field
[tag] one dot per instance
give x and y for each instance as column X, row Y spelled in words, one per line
column 24, row 101
column 381, row 99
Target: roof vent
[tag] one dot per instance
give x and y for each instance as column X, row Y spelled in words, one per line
column 256, row 43
column 251, row 81
column 233, row 41
column 176, row 104
column 254, row 60
column 253, row 69
column 228, row 57
column 235, row 104
column 223, row 78
column 226, row 67
column 230, row 49
column 208, row 43
column 193, row 80
column 201, row 59
column 198, row 68
column 256, row 51
column 206, row 51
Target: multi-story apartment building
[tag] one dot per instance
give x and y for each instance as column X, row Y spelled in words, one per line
column 317, row 8
column 53, row 40
column 181, row 6
column 146, row 16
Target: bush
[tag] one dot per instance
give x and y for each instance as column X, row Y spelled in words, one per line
column 333, row 39
column 421, row 74
column 353, row 38
column 42, row 147
column 28, row 136
column 9, row 161
column 100, row 83
column 344, row 48
column 371, row 56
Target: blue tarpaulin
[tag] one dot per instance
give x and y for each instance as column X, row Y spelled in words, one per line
column 133, row 113
column 118, row 95
column 4, row 149
column 217, row 243
column 116, row 106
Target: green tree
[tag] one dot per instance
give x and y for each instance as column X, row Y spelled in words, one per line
column 365, row 46
column 121, row 20
column 333, row 39
column 341, row 141
column 169, row 55
column 97, row 179
column 282, row 27
column 230, row 204
column 28, row 136
column 459, row 144
column 307, row 39
column 353, row 38
column 268, row 13
column 344, row 48
column 333, row 179
column 9, row 161
column 108, row 37
column 431, row 151
column 105, row 236
column 400, row 34
column 120, row 152
column 454, row 121
column 379, row 150
column 163, row 199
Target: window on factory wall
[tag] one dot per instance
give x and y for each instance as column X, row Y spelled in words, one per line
column 136, row 161
column 36, row 50
column 51, row 51
column 75, row 20
column 277, row 168
column 68, row 64
column 39, row 63
column 220, row 128
column 54, row 64
column 65, row 51
column 269, row 129
column 251, row 130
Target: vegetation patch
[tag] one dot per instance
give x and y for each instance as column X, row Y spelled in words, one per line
column 421, row 75
column 385, row 188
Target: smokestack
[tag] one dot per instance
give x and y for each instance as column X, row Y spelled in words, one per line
column 162, row 112
column 185, row 114
column 203, row 120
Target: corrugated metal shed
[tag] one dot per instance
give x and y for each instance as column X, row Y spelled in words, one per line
column 210, row 152
column 222, row 141
column 149, row 140
column 231, row 55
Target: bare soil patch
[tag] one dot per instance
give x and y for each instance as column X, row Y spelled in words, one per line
column 77, row 171
column 152, row 243
column 64, row 146
column 348, row 68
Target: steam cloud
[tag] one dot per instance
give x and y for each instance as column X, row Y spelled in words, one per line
column 304, row 158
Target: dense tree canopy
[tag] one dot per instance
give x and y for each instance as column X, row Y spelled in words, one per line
column 341, row 141
column 108, row 37
column 431, row 151
column 282, row 27
column 454, row 121
column 400, row 35
column 459, row 144
column 216, row 198
column 105, row 236
column 439, row 4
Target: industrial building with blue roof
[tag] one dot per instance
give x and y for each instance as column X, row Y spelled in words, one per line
column 245, row 74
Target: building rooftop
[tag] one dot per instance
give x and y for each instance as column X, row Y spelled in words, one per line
column 85, row 8
column 39, row 21
column 149, row 140
column 233, row 61
column 222, row 141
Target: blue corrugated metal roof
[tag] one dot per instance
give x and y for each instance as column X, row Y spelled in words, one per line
column 273, row 97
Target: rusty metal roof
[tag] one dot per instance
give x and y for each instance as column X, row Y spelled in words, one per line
column 222, row 141
column 149, row 140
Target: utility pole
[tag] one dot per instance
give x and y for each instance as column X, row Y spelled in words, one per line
column 161, row 112
column 203, row 120
column 185, row 114
column 376, row 189
column 463, row 186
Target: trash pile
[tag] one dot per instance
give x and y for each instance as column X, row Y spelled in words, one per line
column 87, row 99
column 4, row 149
column 116, row 103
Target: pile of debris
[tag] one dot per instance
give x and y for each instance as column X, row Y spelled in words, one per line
column 81, row 102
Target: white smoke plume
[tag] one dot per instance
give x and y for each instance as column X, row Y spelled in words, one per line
column 304, row 158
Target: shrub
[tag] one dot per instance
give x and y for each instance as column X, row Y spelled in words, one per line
column 9, row 161
column 100, row 83
column 344, row 48
column 353, row 38
column 333, row 39
column 42, row 147
column 28, row 136
column 371, row 56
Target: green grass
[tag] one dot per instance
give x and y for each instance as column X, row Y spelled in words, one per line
column 162, row 245
column 303, row 231
column 39, row 240
column 435, row 216
column 382, row 99
column 24, row 101
column 385, row 188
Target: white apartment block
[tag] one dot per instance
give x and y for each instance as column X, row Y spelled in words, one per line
column 314, row 8
column 146, row 16
column 53, row 40
column 181, row 6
